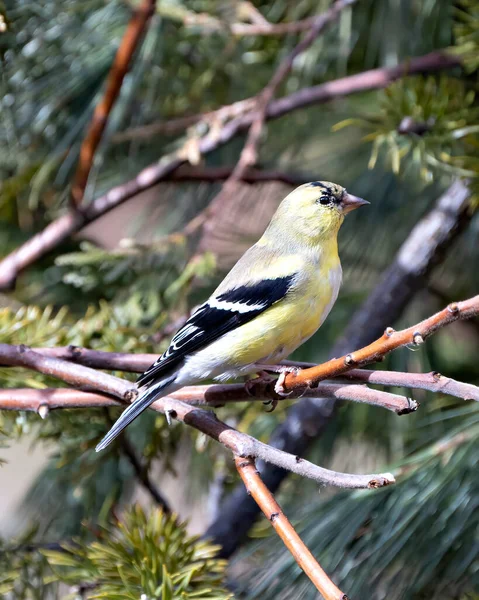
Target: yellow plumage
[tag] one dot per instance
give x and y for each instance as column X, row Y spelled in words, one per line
column 274, row 298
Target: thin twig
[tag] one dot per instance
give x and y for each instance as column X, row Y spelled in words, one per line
column 390, row 340
column 62, row 228
column 131, row 38
column 433, row 382
column 142, row 473
column 264, row 498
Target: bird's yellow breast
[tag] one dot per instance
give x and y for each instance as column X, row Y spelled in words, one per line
column 283, row 327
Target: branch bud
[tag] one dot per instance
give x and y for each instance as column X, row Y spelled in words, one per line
column 43, row 411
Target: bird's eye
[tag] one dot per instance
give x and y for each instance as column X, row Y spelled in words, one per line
column 324, row 200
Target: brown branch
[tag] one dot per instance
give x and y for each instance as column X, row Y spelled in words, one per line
column 98, row 359
column 390, row 340
column 62, row 228
column 131, row 38
column 75, row 375
column 208, row 395
column 240, row 444
column 219, row 395
column 352, row 84
column 44, row 400
column 272, row 511
column 171, row 126
column 433, row 382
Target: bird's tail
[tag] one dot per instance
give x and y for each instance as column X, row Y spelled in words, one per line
column 143, row 401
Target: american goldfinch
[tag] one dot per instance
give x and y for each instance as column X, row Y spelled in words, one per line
column 275, row 297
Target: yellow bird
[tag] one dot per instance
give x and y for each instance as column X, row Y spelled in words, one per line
column 274, row 299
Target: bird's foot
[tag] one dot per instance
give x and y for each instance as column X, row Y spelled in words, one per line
column 264, row 378
column 279, row 389
column 279, row 386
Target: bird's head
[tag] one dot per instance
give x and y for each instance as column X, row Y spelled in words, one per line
column 315, row 211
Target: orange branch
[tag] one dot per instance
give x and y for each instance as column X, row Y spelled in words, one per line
column 390, row 340
column 128, row 45
column 272, row 511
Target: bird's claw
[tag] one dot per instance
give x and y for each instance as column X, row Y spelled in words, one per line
column 273, row 403
column 279, row 386
column 264, row 378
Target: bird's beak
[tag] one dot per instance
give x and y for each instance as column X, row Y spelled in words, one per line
column 350, row 202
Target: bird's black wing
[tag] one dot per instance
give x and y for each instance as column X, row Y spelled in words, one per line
column 216, row 317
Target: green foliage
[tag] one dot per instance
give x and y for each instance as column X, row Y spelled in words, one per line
column 425, row 122
column 466, row 32
column 140, row 280
column 24, row 572
column 148, row 556
column 101, row 328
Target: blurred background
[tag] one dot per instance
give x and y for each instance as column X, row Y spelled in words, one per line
column 126, row 280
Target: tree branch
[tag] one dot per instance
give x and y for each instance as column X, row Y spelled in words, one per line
column 131, row 38
column 272, row 511
column 240, row 444
column 389, row 341
column 206, row 395
column 62, row 228
column 75, row 375
column 433, row 382
column 138, row 363
column 352, row 84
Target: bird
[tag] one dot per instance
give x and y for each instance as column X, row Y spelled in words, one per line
column 275, row 298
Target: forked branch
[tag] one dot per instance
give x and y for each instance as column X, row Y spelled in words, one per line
column 68, row 224
column 389, row 341
column 240, row 444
